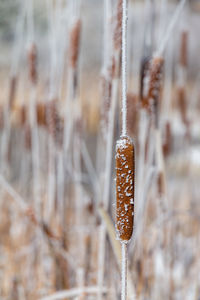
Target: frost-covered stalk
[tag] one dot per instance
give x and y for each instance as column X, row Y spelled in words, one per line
column 125, row 167
column 124, row 66
column 125, row 172
column 124, row 271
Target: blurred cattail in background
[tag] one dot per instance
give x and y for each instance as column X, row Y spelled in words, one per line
column 32, row 59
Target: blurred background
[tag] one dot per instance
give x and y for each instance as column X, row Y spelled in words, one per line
column 60, row 117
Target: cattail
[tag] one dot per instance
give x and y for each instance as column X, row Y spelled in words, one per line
column 155, row 86
column 144, row 73
column 161, row 183
column 167, row 146
column 41, row 118
column 118, row 27
column 125, row 164
column 182, row 104
column 156, row 71
column 23, row 115
column 32, row 59
column 13, row 84
column 75, row 43
column 184, row 49
column 54, row 122
column 51, row 117
column 125, row 169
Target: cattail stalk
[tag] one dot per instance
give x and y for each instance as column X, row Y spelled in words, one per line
column 124, row 168
column 170, row 28
column 124, row 271
column 124, row 199
column 124, row 66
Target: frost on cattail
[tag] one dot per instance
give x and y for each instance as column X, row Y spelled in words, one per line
column 32, row 59
column 75, row 43
column 125, row 169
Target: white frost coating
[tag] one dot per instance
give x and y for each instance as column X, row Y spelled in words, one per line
column 124, row 271
column 124, row 67
column 123, row 144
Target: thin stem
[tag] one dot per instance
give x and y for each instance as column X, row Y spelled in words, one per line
column 124, row 272
column 124, row 66
column 170, row 28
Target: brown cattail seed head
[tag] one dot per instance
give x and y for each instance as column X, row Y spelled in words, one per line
column 182, row 104
column 161, row 183
column 155, row 79
column 53, row 121
column 32, row 58
column 75, row 43
column 40, row 112
column 125, row 171
column 167, row 146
